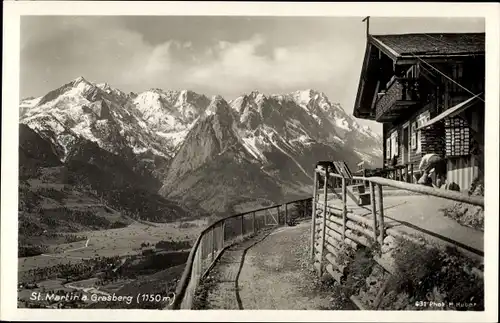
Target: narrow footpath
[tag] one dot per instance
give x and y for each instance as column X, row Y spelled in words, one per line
column 269, row 272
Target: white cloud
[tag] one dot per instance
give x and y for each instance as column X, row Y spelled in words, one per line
column 105, row 50
column 159, row 60
column 98, row 49
column 238, row 67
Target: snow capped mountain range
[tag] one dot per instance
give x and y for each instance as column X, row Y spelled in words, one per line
column 180, row 132
column 302, row 118
column 116, row 121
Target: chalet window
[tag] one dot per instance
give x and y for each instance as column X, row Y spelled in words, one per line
column 388, row 148
column 394, row 144
column 458, row 74
column 413, row 143
column 457, row 134
column 421, row 120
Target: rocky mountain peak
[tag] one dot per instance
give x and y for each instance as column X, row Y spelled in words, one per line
column 218, row 106
column 105, row 87
column 79, row 79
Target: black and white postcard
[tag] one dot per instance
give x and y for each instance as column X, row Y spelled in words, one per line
column 185, row 161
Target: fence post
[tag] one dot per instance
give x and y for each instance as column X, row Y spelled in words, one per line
column 344, row 206
column 286, row 213
column 411, row 173
column 199, row 263
column 374, row 209
column 222, row 236
column 381, row 214
column 278, row 216
column 313, row 221
column 241, row 225
column 212, row 244
column 253, row 221
column 323, row 232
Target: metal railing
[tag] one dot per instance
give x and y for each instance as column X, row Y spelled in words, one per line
column 224, row 233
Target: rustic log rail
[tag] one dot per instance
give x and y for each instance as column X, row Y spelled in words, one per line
column 416, row 188
column 404, row 173
column 223, row 233
column 332, row 228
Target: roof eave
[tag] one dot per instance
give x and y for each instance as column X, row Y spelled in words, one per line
column 361, row 79
column 391, row 53
column 370, row 41
column 411, row 59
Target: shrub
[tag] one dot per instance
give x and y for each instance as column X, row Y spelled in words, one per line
column 433, row 273
column 206, row 285
column 358, row 269
column 417, row 269
column 173, row 245
column 118, row 224
column 31, row 250
column 186, row 225
column 54, row 194
column 466, row 214
column 73, row 238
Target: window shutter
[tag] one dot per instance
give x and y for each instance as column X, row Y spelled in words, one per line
column 388, row 148
column 421, row 119
column 414, row 135
column 396, row 144
column 394, row 147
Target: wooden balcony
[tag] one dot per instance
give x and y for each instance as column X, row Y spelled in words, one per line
column 401, row 94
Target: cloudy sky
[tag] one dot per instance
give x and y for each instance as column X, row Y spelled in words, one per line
column 209, row 55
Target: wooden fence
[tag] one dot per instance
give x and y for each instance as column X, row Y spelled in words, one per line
column 334, row 227
column 225, row 232
column 404, row 173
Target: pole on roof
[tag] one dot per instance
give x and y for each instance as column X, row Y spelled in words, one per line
column 367, row 19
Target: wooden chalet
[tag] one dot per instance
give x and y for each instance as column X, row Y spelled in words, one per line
column 428, row 92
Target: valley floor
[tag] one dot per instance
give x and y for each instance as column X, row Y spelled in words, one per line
column 112, row 242
column 44, row 274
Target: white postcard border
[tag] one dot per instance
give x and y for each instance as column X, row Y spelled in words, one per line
column 13, row 10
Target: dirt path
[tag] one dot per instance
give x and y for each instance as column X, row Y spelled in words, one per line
column 80, row 248
column 274, row 274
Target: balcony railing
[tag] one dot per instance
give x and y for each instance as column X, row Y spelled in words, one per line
column 400, row 94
